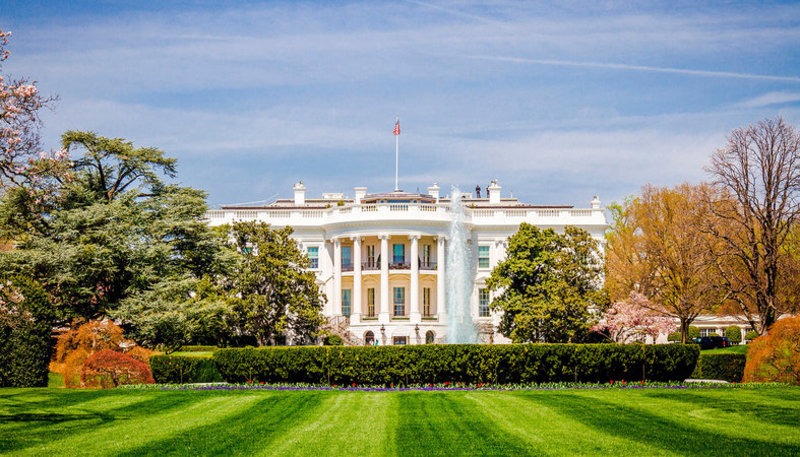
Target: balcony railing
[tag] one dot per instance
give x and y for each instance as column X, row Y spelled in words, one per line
column 371, row 265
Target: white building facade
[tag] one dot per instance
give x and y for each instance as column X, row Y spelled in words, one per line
column 381, row 258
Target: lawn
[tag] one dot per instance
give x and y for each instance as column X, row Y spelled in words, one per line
column 741, row 421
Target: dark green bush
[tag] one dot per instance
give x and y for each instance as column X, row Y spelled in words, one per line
column 333, row 340
column 467, row 363
column 734, row 334
column 169, row 369
column 725, row 367
column 25, row 336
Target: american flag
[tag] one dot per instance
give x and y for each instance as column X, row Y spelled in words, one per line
column 396, row 130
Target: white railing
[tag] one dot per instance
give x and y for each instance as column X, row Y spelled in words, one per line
column 379, row 210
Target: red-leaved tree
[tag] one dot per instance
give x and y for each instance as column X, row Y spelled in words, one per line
column 632, row 320
column 108, row 369
column 775, row 357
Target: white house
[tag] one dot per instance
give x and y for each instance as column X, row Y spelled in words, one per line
column 382, row 259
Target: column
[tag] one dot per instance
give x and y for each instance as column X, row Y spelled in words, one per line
column 383, row 316
column 355, row 317
column 414, row 292
column 441, row 281
column 337, row 277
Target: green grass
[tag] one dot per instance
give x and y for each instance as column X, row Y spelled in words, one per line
column 202, row 354
column 740, row 349
column 743, row 421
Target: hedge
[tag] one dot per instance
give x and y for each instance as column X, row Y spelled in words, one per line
column 725, row 367
column 171, row 369
column 465, row 363
column 25, row 341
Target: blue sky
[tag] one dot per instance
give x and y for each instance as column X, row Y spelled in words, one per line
column 559, row 103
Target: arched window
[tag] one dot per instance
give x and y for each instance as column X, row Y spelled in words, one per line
column 369, row 338
column 429, row 337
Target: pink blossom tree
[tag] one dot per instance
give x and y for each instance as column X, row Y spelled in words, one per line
column 22, row 160
column 633, row 319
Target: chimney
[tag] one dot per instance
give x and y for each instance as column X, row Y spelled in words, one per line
column 494, row 192
column 299, row 193
column 360, row 193
column 433, row 191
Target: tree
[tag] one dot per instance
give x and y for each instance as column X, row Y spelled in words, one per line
column 276, row 298
column 658, row 247
column 115, row 230
column 178, row 311
column 758, row 175
column 546, row 284
column 775, row 357
column 632, row 320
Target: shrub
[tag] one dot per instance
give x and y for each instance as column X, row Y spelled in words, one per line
column 751, row 335
column 26, row 319
column 726, row 367
column 775, row 357
column 171, row 369
column 108, row 369
column 75, row 346
column 693, row 332
column 198, row 348
column 674, row 337
column 467, row 363
column 734, row 333
column 333, row 340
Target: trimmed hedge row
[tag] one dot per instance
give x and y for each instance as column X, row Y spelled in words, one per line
column 725, row 367
column 170, row 369
column 467, row 363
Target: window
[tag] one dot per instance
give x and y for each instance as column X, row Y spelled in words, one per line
column 707, row 332
column 371, row 302
column 430, row 337
column 399, row 301
column 426, row 301
column 369, row 338
column 426, row 256
column 483, row 302
column 400, row 340
column 398, row 253
column 346, row 301
column 313, row 256
column 347, row 258
column 371, row 256
column 483, row 256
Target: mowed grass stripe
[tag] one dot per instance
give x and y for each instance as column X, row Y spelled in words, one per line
column 345, row 423
column 36, row 417
column 537, row 419
column 122, row 432
column 668, row 426
column 447, row 423
column 249, row 430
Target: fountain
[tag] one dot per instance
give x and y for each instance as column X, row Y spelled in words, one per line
column 460, row 277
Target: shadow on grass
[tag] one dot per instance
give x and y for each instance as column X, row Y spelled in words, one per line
column 671, row 435
column 41, row 422
column 242, row 433
column 773, row 413
column 444, row 424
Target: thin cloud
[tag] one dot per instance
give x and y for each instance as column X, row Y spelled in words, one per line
column 770, row 99
column 627, row 67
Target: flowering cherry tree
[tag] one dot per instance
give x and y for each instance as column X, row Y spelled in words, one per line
column 11, row 314
column 22, row 161
column 633, row 319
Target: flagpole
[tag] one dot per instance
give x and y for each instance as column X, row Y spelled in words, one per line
column 396, row 153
